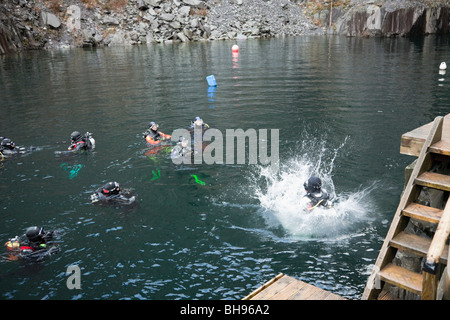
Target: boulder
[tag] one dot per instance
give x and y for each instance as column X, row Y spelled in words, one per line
column 152, row 3
column 175, row 25
column 184, row 10
column 118, row 39
column 167, row 17
column 110, row 21
column 193, row 3
column 182, row 37
column 142, row 5
column 50, row 19
column 73, row 14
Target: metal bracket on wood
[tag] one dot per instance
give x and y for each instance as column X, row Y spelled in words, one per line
column 429, row 266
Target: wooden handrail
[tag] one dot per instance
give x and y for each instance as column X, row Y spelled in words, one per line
column 435, row 251
column 440, row 236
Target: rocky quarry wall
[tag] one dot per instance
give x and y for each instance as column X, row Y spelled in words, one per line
column 35, row 24
column 390, row 19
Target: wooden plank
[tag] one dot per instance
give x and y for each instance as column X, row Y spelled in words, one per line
column 386, row 295
column 417, row 245
column 310, row 292
column 261, row 288
column 289, row 290
column 412, row 141
column 411, row 146
column 429, row 286
column 402, row 278
column 333, row 296
column 434, row 180
column 273, row 289
column 423, row 213
column 284, row 287
column 441, row 147
column 320, row 295
column 304, row 293
column 412, row 243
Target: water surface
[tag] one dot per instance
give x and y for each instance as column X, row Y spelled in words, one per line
column 341, row 105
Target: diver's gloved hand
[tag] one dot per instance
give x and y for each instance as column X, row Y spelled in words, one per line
column 53, row 250
column 49, row 235
column 94, row 197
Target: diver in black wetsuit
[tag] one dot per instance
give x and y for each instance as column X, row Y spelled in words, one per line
column 79, row 143
column 111, row 193
column 36, row 239
column 315, row 195
column 34, row 244
column 9, row 149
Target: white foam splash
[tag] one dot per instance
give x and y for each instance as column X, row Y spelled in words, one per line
column 279, row 196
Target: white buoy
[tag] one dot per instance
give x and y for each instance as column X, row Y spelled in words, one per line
column 443, row 66
column 235, row 48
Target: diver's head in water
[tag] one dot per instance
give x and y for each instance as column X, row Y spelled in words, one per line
column 8, row 144
column 153, row 126
column 34, row 233
column 111, row 188
column 75, row 136
column 313, row 185
column 198, row 121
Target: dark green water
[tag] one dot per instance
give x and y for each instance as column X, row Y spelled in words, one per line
column 341, row 105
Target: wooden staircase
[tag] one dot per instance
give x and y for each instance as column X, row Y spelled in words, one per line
column 434, row 251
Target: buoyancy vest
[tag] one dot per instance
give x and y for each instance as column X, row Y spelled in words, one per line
column 84, row 143
column 155, row 137
column 78, row 145
column 317, row 199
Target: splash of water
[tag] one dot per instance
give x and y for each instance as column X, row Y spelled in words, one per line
column 279, row 196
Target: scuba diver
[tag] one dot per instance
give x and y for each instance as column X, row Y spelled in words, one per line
column 79, row 143
column 198, row 123
column 183, row 153
column 197, row 129
column 9, row 149
column 35, row 244
column 153, row 136
column 111, row 193
column 181, row 149
column 315, row 195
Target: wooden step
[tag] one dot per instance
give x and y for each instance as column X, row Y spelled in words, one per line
column 402, row 278
column 386, row 295
column 441, row 147
column 423, row 213
column 415, row 244
column 434, row 180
